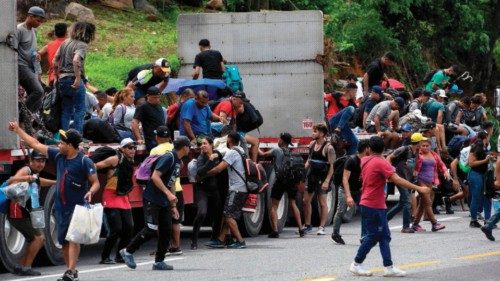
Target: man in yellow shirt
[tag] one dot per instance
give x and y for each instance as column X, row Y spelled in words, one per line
column 165, row 145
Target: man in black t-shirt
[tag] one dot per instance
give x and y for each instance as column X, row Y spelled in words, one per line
column 148, row 75
column 375, row 72
column 151, row 115
column 210, row 61
column 350, row 190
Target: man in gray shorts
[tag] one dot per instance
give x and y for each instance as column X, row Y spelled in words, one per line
column 29, row 57
column 19, row 217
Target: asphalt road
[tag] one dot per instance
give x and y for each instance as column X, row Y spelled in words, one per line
column 456, row 253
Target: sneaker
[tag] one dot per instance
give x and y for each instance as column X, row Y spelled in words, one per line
column 437, row 227
column 228, row 240
column 119, row 259
column 407, row 230
column 475, row 224
column 436, row 211
column 107, row 261
column 69, row 276
column 17, row 269
column 307, row 229
column 321, row 231
column 162, row 266
column 273, row 234
column 128, row 259
column 335, row 137
column 175, row 251
column 488, row 233
column 194, row 246
column 358, row 269
column 29, row 272
column 392, row 271
column 211, row 241
column 447, row 204
column 418, row 228
column 216, row 244
column 237, row 245
column 338, row 239
column 301, row 233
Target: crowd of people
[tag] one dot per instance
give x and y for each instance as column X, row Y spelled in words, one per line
column 426, row 142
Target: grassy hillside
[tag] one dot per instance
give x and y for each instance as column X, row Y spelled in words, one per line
column 124, row 39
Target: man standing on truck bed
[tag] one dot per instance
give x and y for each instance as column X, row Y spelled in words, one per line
column 19, row 217
column 209, row 60
column 28, row 57
column 76, row 184
column 375, row 72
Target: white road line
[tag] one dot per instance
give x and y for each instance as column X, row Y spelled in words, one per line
column 443, row 219
column 91, row 270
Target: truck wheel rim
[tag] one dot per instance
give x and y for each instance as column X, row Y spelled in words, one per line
column 281, row 207
column 53, row 232
column 14, row 239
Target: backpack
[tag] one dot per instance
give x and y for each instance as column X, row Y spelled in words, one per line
column 124, row 168
column 51, row 110
column 428, row 76
column 173, row 122
column 102, row 153
column 292, row 168
column 249, row 120
column 255, row 176
column 143, row 173
column 338, row 169
column 100, row 131
column 357, row 118
column 456, row 144
column 233, row 78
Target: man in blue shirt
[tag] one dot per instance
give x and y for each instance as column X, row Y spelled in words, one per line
column 75, row 173
column 159, row 206
column 196, row 116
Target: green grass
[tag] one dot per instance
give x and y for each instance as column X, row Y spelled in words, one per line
column 124, row 39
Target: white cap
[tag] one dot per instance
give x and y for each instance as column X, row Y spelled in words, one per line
column 126, row 142
column 441, row 93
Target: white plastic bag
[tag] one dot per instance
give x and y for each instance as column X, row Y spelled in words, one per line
column 85, row 225
column 192, row 170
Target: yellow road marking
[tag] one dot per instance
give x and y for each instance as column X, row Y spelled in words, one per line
column 322, row 278
column 410, row 265
column 477, row 256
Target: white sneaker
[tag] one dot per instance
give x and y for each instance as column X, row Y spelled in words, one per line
column 392, row 271
column 358, row 269
column 321, row 231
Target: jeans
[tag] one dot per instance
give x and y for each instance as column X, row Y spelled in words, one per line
column 340, row 120
column 202, row 197
column 73, row 104
column 341, row 209
column 403, row 204
column 34, row 90
column 478, row 201
column 377, row 228
column 492, row 221
column 121, row 226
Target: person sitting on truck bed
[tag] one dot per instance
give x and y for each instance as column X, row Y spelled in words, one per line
column 174, row 110
column 339, row 123
column 76, row 184
column 19, row 217
column 210, row 61
column 141, row 78
column 376, row 96
column 196, row 116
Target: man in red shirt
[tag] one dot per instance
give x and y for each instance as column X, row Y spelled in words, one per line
column 375, row 171
column 229, row 108
column 60, row 32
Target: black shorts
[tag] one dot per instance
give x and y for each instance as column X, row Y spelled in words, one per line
column 280, row 187
column 63, row 218
column 24, row 226
column 180, row 207
column 234, row 203
column 314, row 183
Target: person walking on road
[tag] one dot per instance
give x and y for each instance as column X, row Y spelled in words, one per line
column 375, row 171
column 160, row 206
column 490, row 224
column 19, row 217
column 76, row 184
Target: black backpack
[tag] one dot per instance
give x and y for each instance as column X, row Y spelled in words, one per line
column 292, row 168
column 100, row 131
column 250, row 119
column 338, row 169
column 102, row 153
column 51, row 110
column 125, row 168
column 428, row 76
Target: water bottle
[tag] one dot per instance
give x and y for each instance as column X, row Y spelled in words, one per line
column 35, row 196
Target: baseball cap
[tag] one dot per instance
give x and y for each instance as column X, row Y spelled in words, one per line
column 71, row 136
column 441, row 93
column 417, row 137
column 286, row 137
column 377, row 90
column 400, row 102
column 37, row 155
column 162, row 132
column 163, row 63
column 126, row 141
column 181, row 142
column 241, row 95
column 428, row 126
column 407, row 127
column 153, row 90
column 36, row 11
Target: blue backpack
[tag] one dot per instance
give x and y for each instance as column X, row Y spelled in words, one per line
column 233, row 78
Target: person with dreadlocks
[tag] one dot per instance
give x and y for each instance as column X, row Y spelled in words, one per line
column 68, row 72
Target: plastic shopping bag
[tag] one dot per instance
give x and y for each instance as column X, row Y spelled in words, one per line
column 85, row 225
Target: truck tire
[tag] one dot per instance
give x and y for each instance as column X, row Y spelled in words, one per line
column 251, row 223
column 52, row 248
column 282, row 207
column 331, row 201
column 12, row 244
column 349, row 214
